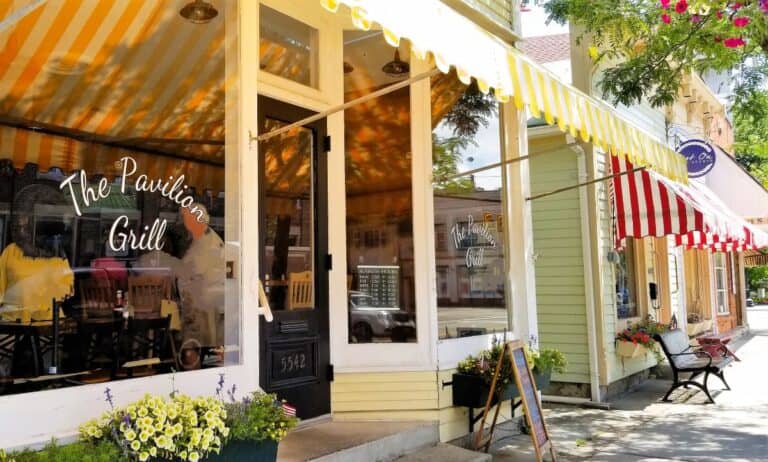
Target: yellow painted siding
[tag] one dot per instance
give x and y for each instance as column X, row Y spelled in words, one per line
column 560, row 294
column 401, row 396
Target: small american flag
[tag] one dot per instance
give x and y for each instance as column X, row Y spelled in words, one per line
column 288, row 410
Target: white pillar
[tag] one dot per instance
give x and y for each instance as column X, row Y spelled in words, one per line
column 521, row 283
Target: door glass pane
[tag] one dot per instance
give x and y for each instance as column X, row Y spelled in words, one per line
column 382, row 304
column 289, row 228
column 469, row 246
column 287, row 47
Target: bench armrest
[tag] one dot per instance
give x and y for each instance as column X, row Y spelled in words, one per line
column 698, row 353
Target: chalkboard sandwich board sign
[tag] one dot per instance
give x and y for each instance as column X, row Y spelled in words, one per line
column 515, row 351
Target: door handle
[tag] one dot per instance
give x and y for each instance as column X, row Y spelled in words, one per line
column 263, row 301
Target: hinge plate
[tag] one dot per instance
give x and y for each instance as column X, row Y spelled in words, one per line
column 327, row 143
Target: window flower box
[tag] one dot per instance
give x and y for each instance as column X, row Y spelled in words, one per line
column 472, row 390
column 246, row 451
column 627, row 349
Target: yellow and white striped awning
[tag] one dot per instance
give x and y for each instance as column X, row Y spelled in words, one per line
column 453, row 40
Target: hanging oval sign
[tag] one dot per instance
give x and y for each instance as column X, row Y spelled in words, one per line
column 700, row 156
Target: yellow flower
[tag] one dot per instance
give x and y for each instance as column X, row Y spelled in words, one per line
column 153, row 451
column 135, row 445
column 130, row 435
column 143, row 456
column 194, row 456
column 183, row 455
column 144, row 436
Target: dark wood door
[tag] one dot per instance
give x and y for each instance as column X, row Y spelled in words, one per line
column 295, row 352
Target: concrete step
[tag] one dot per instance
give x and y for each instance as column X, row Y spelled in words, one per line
column 358, row 441
column 445, row 453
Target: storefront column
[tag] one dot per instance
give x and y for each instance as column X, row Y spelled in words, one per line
column 521, row 283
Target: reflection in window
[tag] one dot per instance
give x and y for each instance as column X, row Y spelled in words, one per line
column 119, row 209
column 289, row 227
column 626, row 283
column 287, row 48
column 378, row 189
column 468, row 215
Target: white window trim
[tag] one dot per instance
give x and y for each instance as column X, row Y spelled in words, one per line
column 720, row 265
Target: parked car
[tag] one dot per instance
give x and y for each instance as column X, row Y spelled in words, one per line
column 367, row 321
column 750, row 302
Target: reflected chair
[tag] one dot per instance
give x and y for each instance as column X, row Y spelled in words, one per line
column 146, row 293
column 300, row 291
column 144, row 346
column 97, row 298
column 98, row 352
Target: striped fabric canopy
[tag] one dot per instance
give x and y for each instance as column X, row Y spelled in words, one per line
column 453, row 40
column 647, row 204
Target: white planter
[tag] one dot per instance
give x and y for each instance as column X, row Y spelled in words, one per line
column 629, row 350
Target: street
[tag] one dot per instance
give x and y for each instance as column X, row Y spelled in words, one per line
column 641, row 428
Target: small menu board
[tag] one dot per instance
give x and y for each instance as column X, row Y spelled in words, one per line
column 531, row 403
column 381, row 283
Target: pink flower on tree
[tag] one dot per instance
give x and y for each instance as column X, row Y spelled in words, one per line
column 665, row 4
column 681, row 6
column 741, row 21
column 666, row 19
column 695, row 18
column 719, row 15
column 764, row 6
column 734, row 42
column 737, row 6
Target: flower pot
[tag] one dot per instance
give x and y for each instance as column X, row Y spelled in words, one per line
column 246, row 451
column 472, row 390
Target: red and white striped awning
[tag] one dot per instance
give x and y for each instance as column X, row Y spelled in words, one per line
column 648, row 204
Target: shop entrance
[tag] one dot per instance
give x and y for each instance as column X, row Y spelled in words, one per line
column 294, row 353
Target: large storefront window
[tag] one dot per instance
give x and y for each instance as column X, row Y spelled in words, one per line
column 469, row 227
column 378, row 187
column 118, row 191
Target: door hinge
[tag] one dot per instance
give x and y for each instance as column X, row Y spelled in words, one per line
column 329, row 262
column 327, row 143
column 330, row 372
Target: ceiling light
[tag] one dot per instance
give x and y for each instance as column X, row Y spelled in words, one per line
column 199, row 12
column 397, row 67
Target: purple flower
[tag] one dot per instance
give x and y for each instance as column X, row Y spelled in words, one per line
column 126, row 419
column 109, row 397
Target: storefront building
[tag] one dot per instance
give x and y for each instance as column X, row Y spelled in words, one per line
column 628, row 244
column 152, row 182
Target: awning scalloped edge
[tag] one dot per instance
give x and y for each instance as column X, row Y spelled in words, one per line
column 512, row 76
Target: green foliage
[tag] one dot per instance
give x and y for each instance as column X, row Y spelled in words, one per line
column 644, row 57
column 750, row 119
column 484, row 364
column 103, row 451
column 757, row 275
column 258, row 418
column 547, row 359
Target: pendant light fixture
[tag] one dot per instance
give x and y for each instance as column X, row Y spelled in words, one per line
column 199, row 12
column 397, row 67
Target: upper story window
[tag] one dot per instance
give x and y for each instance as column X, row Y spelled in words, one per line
column 288, row 48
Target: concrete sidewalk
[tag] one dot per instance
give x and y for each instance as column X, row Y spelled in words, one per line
column 642, row 428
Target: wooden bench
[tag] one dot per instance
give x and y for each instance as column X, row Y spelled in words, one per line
column 684, row 359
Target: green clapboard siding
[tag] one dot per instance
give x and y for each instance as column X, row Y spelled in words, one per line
column 561, row 303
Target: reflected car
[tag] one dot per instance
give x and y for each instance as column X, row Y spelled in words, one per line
column 367, row 321
column 750, row 302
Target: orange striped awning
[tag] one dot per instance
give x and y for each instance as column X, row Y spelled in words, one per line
column 131, row 72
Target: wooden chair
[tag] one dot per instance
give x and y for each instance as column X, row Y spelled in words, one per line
column 146, row 293
column 301, row 291
column 97, row 298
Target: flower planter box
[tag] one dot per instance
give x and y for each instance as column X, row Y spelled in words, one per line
column 695, row 328
column 246, row 451
column 629, row 349
column 472, row 390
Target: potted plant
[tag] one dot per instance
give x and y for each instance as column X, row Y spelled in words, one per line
column 471, row 383
column 637, row 339
column 257, row 423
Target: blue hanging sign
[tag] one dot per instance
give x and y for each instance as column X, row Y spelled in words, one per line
column 700, row 156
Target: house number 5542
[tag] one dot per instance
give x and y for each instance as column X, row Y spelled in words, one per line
column 293, row 362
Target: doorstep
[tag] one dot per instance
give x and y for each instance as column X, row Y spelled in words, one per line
column 356, row 441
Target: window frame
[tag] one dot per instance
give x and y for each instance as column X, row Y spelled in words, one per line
column 719, row 265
